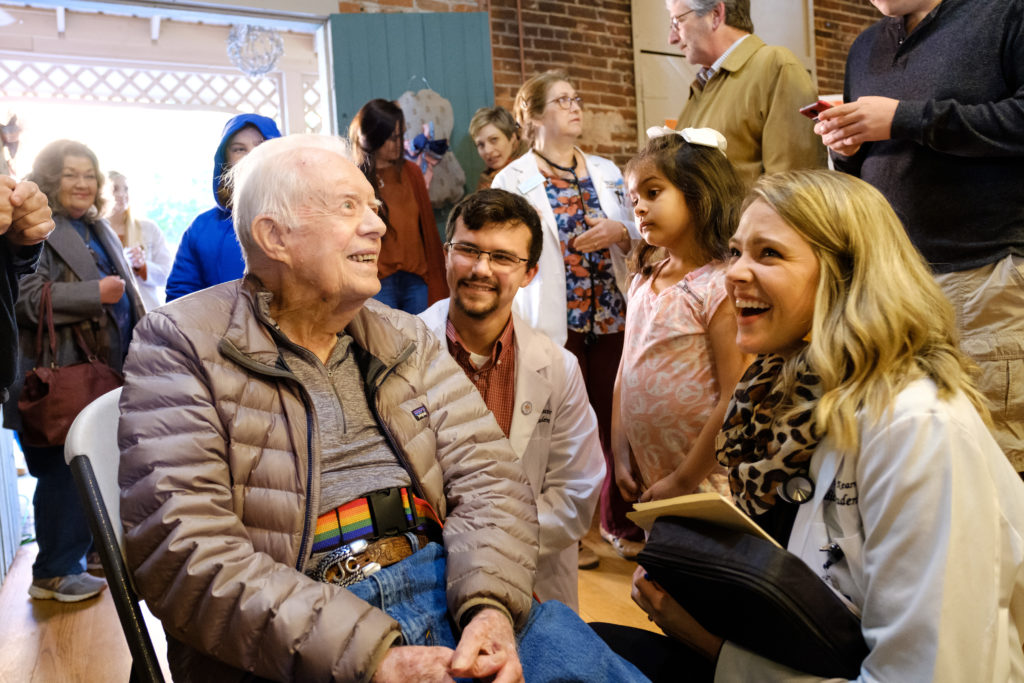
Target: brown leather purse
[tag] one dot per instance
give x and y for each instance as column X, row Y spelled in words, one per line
column 53, row 396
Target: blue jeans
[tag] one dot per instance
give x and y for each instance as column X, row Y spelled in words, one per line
column 555, row 644
column 404, row 291
column 62, row 530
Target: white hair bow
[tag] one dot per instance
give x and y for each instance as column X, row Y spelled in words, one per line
column 706, row 137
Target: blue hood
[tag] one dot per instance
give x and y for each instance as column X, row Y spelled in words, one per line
column 267, row 128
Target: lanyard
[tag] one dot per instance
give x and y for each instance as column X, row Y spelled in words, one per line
column 591, row 336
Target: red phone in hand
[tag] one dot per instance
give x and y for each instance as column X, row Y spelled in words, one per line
column 812, row 110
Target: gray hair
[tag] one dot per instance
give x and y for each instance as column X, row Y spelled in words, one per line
column 264, row 184
column 737, row 12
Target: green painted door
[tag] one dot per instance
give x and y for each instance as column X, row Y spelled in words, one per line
column 383, row 55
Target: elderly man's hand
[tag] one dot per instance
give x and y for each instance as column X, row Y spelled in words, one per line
column 671, row 618
column 487, row 649
column 30, row 220
column 845, row 127
column 415, row 663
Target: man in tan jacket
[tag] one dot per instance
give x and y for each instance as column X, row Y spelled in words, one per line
column 312, row 490
column 748, row 91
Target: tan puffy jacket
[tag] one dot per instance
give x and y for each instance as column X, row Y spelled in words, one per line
column 219, row 490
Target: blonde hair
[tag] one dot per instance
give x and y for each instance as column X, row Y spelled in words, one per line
column 880, row 319
column 132, row 229
column 532, row 98
column 499, row 117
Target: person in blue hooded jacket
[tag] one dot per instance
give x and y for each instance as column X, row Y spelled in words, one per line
column 209, row 253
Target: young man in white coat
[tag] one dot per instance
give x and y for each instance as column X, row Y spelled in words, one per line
column 533, row 386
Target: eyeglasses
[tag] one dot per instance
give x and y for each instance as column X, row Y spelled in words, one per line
column 678, row 19
column 565, row 102
column 76, row 177
column 467, row 253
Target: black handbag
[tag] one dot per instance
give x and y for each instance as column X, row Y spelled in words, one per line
column 53, row 396
column 749, row 591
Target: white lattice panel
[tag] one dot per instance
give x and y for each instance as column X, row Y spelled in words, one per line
column 311, row 100
column 145, row 86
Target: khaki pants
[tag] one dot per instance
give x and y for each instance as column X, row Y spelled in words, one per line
column 989, row 306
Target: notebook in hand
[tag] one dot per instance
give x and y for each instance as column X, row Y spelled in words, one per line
column 710, row 507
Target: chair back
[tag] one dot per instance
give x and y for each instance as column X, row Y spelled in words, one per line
column 94, row 435
column 92, row 453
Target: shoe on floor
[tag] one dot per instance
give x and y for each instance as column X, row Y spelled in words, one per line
column 626, row 549
column 70, row 588
column 588, row 558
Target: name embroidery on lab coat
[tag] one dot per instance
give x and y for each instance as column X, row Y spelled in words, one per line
column 842, row 492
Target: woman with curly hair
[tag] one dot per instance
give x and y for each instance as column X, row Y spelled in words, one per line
column 94, row 294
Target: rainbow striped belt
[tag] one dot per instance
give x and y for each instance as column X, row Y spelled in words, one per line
column 378, row 514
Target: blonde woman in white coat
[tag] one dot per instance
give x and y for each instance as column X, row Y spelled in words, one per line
column 547, row 417
column 145, row 247
column 915, row 517
column 578, row 295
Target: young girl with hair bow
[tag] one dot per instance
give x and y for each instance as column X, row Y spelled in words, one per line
column 680, row 361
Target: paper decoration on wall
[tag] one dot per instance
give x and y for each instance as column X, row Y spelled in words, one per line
column 254, row 49
column 425, row 151
column 429, row 119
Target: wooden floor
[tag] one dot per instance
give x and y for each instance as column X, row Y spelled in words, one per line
column 44, row 641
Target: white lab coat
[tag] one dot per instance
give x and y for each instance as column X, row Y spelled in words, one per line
column 159, row 259
column 554, row 434
column 930, row 516
column 542, row 303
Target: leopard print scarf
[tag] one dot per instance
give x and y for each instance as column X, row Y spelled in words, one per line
column 759, row 452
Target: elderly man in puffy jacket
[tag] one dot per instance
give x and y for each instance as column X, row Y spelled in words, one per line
column 312, row 489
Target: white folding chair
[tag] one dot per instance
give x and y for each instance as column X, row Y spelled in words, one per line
column 92, row 453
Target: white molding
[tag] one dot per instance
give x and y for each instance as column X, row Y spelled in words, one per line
column 303, row 16
column 126, row 43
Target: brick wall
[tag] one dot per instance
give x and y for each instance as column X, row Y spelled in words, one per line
column 592, row 41
column 836, row 24
column 589, row 39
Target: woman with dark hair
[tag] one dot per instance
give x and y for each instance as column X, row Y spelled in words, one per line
column 93, row 292
column 411, row 262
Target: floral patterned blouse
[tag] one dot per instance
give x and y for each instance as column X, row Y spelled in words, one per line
column 588, row 276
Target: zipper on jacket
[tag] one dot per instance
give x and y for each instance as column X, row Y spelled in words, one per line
column 307, row 403
column 281, row 371
column 309, row 489
column 375, row 372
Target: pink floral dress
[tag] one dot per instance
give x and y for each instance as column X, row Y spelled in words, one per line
column 669, row 385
